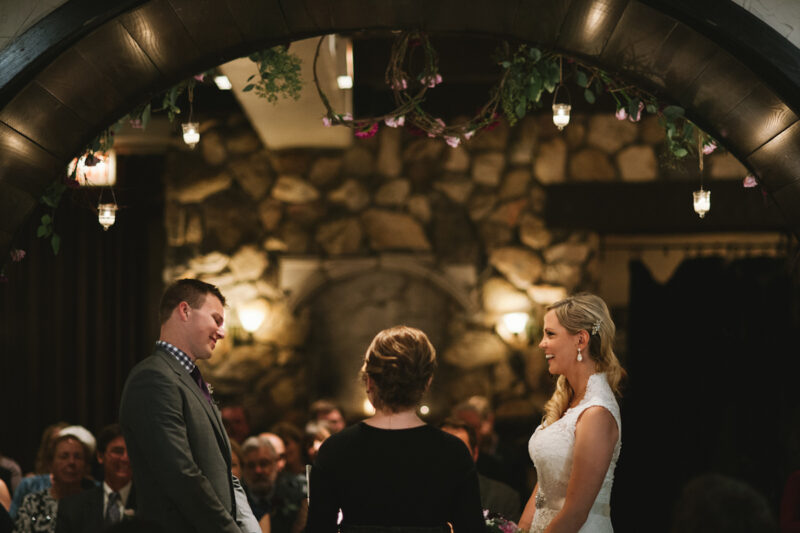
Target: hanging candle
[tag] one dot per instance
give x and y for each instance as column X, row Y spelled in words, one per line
column 191, row 133
column 702, row 201
column 107, row 215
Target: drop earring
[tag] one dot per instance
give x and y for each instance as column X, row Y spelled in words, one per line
column 580, row 357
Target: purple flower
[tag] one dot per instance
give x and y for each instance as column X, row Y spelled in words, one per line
column 367, row 132
column 750, row 181
column 709, row 147
column 17, row 255
column 621, row 114
column 394, row 122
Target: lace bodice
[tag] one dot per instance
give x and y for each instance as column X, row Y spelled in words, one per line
column 551, row 450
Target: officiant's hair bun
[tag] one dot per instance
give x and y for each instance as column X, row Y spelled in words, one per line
column 401, row 361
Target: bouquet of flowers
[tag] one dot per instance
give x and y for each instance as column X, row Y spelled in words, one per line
column 497, row 523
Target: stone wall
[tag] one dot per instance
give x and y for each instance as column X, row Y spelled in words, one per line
column 334, row 245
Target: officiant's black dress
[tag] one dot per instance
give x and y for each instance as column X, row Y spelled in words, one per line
column 418, row 477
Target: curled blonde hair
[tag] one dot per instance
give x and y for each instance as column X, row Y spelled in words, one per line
column 585, row 312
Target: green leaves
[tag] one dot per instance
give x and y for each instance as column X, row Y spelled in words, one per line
column 589, row 96
column 278, row 74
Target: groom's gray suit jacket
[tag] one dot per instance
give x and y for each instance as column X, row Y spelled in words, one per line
column 179, row 451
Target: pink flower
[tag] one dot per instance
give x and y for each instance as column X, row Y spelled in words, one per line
column 452, row 140
column 199, row 77
column 638, row 116
column 400, row 84
column 326, row 121
column 432, row 81
column 468, row 135
column 750, row 181
column 394, row 122
column 709, row 147
column 621, row 114
column 136, row 123
column 438, row 128
column 17, row 255
column 347, row 117
column 366, row 133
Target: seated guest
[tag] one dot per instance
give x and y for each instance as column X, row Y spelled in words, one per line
column 314, row 437
column 259, row 472
column 234, row 418
column 393, row 470
column 41, row 478
column 289, row 503
column 496, row 497
column 236, row 460
column 277, row 445
column 329, row 414
column 67, row 458
column 93, row 510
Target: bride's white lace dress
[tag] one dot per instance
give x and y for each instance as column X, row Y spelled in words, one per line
column 551, row 451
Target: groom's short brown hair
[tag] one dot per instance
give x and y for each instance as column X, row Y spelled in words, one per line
column 191, row 291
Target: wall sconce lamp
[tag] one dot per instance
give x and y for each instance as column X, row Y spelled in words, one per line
column 252, row 315
column 96, row 170
column 513, row 328
column 368, row 408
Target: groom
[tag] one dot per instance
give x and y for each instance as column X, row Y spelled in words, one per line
column 179, row 451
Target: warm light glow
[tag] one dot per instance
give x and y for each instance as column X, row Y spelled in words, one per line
column 102, row 173
column 223, row 83
column 547, row 294
column 702, row 202
column 252, row 314
column 515, row 322
column 107, row 215
column 344, row 82
column 561, row 115
column 424, row 409
column 191, row 133
column 369, row 409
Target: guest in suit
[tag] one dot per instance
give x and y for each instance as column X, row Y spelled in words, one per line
column 91, row 511
column 497, row 497
column 179, row 450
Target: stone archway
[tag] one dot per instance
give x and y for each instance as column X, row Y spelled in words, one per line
column 79, row 69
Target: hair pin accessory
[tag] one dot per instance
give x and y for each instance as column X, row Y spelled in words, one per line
column 596, row 327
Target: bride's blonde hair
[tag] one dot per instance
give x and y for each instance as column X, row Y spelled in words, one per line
column 584, row 311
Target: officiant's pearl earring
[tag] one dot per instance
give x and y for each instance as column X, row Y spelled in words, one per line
column 580, row 357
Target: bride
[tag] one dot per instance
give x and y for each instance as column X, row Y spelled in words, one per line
column 575, row 449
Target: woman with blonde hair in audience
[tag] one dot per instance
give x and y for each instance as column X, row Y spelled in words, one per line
column 392, row 469
column 68, row 459
column 575, row 449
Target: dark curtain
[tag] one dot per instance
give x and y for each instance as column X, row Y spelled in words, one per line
column 713, row 367
column 74, row 324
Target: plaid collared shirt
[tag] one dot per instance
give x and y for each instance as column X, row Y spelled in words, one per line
column 178, row 354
